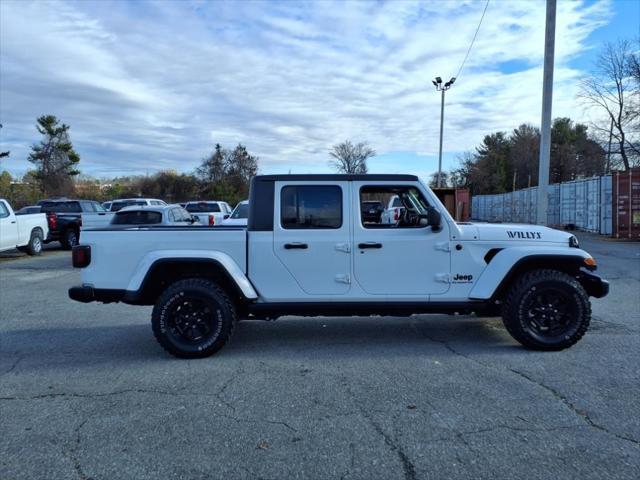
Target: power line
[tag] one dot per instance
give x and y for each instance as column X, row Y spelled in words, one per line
column 473, row 40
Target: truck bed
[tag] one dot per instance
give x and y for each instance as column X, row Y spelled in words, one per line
column 119, row 252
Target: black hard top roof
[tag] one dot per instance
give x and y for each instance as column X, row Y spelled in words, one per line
column 337, row 177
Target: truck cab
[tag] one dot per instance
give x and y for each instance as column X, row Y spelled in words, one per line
column 310, row 249
column 24, row 232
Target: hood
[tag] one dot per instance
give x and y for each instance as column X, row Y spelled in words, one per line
column 513, row 232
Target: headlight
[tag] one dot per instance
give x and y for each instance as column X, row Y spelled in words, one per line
column 573, row 242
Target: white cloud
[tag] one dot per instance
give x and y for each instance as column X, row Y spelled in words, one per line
column 147, row 86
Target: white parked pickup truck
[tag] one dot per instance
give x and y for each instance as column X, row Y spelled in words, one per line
column 24, row 232
column 210, row 212
column 307, row 251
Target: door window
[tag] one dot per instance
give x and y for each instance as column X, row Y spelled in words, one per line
column 4, row 212
column 392, row 207
column 311, row 207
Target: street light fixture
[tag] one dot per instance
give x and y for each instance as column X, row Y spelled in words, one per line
column 441, row 88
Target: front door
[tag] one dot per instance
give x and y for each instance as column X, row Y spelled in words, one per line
column 312, row 235
column 8, row 228
column 397, row 255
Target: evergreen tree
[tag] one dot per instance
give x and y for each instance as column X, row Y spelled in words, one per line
column 54, row 157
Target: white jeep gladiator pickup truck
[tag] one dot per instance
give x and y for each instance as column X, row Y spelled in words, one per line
column 306, row 251
column 24, row 232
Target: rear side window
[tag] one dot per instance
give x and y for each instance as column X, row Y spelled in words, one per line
column 137, row 217
column 61, row 207
column 311, row 207
column 203, row 207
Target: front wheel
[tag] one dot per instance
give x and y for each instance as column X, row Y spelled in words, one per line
column 193, row 318
column 547, row 310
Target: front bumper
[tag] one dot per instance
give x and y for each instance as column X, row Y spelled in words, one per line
column 87, row 294
column 594, row 285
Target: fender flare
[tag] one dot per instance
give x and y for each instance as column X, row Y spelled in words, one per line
column 150, row 260
column 510, row 259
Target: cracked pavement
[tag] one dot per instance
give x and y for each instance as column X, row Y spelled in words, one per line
column 86, row 393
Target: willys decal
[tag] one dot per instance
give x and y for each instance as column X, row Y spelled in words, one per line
column 525, row 235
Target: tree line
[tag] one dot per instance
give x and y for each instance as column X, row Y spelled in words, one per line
column 224, row 174
column 509, row 161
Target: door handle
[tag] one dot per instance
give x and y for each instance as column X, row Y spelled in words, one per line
column 369, row 245
column 13, row 221
column 296, row 245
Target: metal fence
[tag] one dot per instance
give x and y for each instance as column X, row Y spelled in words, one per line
column 583, row 204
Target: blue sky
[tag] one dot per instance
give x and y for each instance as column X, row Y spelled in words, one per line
column 151, row 85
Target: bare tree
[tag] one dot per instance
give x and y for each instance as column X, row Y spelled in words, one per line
column 613, row 89
column 350, row 158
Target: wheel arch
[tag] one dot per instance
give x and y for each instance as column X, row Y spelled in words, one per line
column 161, row 272
column 508, row 264
column 37, row 229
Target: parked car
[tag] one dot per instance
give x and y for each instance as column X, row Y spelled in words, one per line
column 153, row 215
column 119, row 204
column 306, row 252
column 29, row 210
column 239, row 215
column 26, row 232
column 209, row 212
column 65, row 219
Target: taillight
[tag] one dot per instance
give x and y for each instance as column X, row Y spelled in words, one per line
column 212, row 220
column 81, row 256
column 396, row 214
column 52, row 220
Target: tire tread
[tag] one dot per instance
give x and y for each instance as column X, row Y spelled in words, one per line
column 221, row 295
column 510, row 309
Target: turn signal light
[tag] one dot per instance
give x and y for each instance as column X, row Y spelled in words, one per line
column 81, row 256
column 590, row 262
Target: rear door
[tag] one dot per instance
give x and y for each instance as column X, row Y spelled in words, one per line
column 312, row 235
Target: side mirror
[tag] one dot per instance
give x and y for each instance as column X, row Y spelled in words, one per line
column 433, row 218
column 194, row 219
column 226, row 215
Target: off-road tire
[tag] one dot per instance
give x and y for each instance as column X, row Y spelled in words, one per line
column 34, row 247
column 222, row 317
column 70, row 238
column 516, row 319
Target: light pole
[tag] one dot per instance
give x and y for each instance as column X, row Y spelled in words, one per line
column 440, row 87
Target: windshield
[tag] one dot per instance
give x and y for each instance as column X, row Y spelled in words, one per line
column 202, row 207
column 137, row 217
column 61, row 207
column 241, row 211
column 116, row 206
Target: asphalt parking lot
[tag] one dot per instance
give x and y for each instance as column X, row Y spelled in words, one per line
column 85, row 392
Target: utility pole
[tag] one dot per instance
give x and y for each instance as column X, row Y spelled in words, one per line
column 547, row 97
column 441, row 88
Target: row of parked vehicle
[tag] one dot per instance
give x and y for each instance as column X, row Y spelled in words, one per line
column 62, row 219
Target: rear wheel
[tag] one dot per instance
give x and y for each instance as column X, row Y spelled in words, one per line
column 34, row 247
column 547, row 310
column 69, row 239
column 193, row 318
